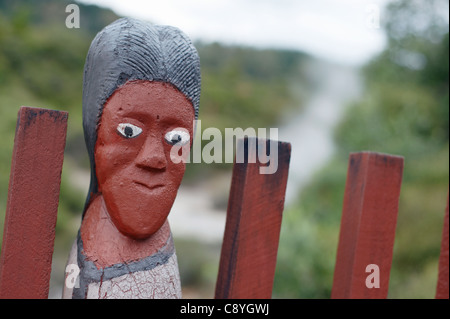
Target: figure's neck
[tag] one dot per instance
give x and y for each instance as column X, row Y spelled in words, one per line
column 106, row 246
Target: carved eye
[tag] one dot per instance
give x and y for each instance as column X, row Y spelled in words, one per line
column 177, row 137
column 128, row 130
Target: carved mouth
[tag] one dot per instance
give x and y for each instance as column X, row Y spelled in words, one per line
column 149, row 187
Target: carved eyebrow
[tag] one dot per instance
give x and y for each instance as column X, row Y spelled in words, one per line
column 145, row 117
column 168, row 119
column 136, row 115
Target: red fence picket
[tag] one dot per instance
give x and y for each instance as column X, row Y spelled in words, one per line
column 368, row 226
column 443, row 284
column 32, row 205
column 250, row 245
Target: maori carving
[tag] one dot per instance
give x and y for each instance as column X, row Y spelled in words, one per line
column 141, row 93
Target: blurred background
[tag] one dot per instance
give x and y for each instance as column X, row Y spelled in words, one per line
column 333, row 76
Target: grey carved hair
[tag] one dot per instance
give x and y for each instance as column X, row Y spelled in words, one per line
column 128, row 50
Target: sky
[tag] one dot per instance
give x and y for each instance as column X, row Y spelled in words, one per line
column 342, row 31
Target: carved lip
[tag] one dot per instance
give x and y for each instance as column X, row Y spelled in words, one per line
column 150, row 187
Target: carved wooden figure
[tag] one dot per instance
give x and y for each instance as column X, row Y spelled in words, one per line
column 141, row 95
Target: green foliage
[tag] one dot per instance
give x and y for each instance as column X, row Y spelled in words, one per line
column 245, row 88
column 198, row 267
column 307, row 249
column 403, row 111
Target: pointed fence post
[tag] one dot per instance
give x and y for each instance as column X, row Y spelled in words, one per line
column 252, row 231
column 442, row 286
column 368, row 225
column 32, row 205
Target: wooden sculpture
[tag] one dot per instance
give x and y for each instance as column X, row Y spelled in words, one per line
column 141, row 92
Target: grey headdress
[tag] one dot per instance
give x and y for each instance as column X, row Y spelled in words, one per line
column 127, row 50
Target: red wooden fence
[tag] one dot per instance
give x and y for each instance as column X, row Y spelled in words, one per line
column 253, row 224
column 252, row 231
column 33, row 196
column 369, row 219
column 442, row 287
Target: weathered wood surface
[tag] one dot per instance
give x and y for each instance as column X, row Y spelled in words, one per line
column 368, row 225
column 252, row 231
column 32, row 205
column 443, row 281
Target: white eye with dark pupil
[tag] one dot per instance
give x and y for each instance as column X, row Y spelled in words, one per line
column 128, row 130
column 177, row 137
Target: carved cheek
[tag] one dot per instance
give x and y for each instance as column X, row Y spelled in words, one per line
column 113, row 161
column 175, row 166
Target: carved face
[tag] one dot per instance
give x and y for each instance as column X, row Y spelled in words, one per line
column 142, row 124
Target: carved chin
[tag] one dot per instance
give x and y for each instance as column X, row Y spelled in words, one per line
column 139, row 217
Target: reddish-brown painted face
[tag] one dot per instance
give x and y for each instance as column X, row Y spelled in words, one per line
column 137, row 178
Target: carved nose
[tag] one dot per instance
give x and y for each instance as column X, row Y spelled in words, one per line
column 152, row 155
